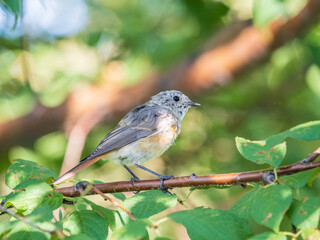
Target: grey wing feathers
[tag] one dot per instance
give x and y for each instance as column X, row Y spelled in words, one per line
column 136, row 125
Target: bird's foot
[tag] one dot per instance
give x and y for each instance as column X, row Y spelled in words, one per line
column 163, row 188
column 81, row 186
column 132, row 180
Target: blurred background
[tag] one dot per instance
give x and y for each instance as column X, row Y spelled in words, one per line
column 69, row 70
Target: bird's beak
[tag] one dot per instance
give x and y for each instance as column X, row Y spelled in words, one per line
column 193, row 104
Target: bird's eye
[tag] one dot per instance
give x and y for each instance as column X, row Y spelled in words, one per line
column 176, row 98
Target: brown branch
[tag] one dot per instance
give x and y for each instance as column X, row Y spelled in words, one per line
column 194, row 181
column 312, row 156
column 219, row 65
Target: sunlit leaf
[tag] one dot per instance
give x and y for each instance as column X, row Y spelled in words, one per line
column 259, row 152
column 311, row 234
column 308, row 131
column 23, row 170
column 32, row 194
column 266, row 10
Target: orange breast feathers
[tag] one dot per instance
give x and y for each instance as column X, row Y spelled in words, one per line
column 170, row 136
column 166, row 138
column 161, row 140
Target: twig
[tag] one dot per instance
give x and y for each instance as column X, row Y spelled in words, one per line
column 196, row 181
column 312, row 156
column 84, row 187
column 4, row 209
column 96, row 190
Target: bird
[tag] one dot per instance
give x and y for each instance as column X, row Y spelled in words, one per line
column 145, row 133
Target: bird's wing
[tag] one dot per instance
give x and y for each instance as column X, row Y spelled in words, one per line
column 140, row 123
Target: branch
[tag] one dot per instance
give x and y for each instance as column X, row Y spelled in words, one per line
column 200, row 181
column 252, row 46
column 116, row 204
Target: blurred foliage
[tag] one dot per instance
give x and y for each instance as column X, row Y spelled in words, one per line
column 121, row 42
column 266, row 10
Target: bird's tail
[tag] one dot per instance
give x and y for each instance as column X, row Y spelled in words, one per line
column 86, row 162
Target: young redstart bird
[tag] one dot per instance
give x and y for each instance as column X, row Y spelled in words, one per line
column 143, row 134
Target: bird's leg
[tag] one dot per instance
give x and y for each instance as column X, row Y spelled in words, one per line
column 135, row 177
column 162, row 178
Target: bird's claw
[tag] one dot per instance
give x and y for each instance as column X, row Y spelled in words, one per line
column 132, row 180
column 163, row 188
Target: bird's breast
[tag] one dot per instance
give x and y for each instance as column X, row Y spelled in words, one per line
column 151, row 146
column 162, row 139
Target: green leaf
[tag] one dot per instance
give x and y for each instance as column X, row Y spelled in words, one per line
column 119, row 195
column 260, row 152
column 306, row 213
column 81, row 236
column 206, row 223
column 113, row 217
column 298, row 180
column 269, row 236
column 314, row 175
column 242, row 208
column 52, row 145
column 270, row 204
column 147, row 204
column 5, row 226
column 308, row 131
column 313, row 79
column 33, row 193
column 14, row 6
column 23, row 170
column 109, row 215
column 132, row 230
column 273, row 149
column 80, row 203
column 311, row 234
column 87, row 222
column 42, row 217
column 266, row 10
column 28, row 233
